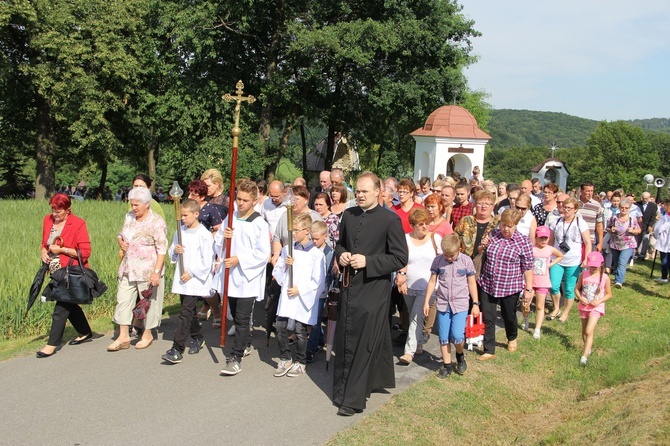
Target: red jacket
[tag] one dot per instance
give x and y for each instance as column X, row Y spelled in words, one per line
column 74, row 235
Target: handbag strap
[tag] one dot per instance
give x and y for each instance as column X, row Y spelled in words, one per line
column 81, row 261
column 432, row 239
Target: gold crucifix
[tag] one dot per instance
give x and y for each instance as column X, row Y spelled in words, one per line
column 238, row 100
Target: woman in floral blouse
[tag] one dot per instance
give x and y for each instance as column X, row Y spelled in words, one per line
column 143, row 241
column 622, row 229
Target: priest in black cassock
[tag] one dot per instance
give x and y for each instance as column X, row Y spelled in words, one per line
column 371, row 247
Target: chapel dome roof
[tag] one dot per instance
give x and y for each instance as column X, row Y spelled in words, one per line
column 451, row 121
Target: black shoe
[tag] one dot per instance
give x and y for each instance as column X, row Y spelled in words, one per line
column 445, row 371
column 196, row 346
column 345, row 411
column 172, row 356
column 461, row 366
column 87, row 338
column 41, row 354
column 309, row 357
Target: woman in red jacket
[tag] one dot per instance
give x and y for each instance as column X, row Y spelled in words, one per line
column 62, row 234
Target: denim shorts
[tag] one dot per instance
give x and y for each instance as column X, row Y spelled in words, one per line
column 451, row 327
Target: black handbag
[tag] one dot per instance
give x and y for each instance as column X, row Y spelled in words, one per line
column 74, row 284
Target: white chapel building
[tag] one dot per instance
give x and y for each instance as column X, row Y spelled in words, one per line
column 450, row 141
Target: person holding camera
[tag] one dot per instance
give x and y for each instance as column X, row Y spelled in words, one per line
column 573, row 238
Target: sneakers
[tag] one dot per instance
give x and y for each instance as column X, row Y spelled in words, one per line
column 445, row 371
column 247, row 351
column 196, row 345
column 461, row 366
column 660, row 280
column 618, row 285
column 296, row 370
column 584, row 360
column 283, row 367
column 232, row 367
column 172, row 356
column 536, row 334
column 426, row 338
column 309, row 357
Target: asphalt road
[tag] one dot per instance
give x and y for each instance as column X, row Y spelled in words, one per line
column 85, row 395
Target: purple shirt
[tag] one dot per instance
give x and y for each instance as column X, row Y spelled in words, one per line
column 452, row 282
column 506, row 261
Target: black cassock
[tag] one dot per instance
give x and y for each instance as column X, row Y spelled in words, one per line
column 363, row 351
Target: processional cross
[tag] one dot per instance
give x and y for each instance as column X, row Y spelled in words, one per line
column 236, row 132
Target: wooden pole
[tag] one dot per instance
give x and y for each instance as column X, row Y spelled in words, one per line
column 236, row 132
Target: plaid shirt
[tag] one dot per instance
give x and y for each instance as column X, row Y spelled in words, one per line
column 460, row 211
column 506, row 261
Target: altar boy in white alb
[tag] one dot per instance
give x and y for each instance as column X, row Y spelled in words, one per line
column 297, row 302
column 247, row 260
column 197, row 249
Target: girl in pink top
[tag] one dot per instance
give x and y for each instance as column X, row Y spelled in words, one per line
column 542, row 254
column 593, row 289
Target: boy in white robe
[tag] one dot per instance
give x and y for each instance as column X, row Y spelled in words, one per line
column 247, row 260
column 297, row 302
column 197, row 249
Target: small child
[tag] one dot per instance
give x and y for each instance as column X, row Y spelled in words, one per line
column 317, row 337
column 592, row 290
column 194, row 282
column 297, row 301
column 542, row 254
column 453, row 274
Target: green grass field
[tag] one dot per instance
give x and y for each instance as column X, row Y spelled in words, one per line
column 540, row 394
column 21, row 232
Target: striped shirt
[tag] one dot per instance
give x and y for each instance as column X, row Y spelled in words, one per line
column 592, row 213
column 506, row 261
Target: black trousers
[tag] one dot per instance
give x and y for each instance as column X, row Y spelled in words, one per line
column 508, row 313
column 187, row 323
column 242, row 309
column 62, row 312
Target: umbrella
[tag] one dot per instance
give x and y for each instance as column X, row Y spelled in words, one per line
column 36, row 287
column 333, row 298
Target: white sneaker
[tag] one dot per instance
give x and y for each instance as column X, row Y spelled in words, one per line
column 659, row 280
column 618, row 285
column 283, row 367
column 296, row 370
column 526, row 323
column 536, row 334
column 583, row 360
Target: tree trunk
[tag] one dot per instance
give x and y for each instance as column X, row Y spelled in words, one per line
column 304, row 149
column 330, row 145
column 103, row 179
column 45, row 149
column 153, row 151
column 267, row 108
column 291, row 121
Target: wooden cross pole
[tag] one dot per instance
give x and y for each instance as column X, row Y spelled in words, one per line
column 236, row 132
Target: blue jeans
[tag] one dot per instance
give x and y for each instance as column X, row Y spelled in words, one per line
column 282, row 340
column 620, row 261
column 665, row 264
column 317, row 337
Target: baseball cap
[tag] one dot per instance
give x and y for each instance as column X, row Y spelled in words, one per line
column 542, row 231
column 594, row 259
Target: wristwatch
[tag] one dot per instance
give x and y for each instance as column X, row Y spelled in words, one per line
column 529, row 291
column 402, row 273
column 157, row 271
column 475, row 303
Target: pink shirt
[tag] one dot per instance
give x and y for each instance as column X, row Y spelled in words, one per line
column 593, row 287
column 541, row 261
column 148, row 240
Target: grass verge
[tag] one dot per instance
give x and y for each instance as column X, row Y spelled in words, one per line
column 540, row 394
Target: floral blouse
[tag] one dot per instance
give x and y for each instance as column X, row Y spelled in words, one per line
column 467, row 231
column 148, row 240
column 620, row 240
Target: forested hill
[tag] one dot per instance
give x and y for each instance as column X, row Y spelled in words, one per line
column 527, row 128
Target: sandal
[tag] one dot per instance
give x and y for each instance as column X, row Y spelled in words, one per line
column 116, row 346
column 216, row 323
column 556, row 316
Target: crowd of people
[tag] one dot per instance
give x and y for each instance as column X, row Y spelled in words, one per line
column 431, row 251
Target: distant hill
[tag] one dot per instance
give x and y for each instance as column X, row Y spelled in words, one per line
column 526, row 128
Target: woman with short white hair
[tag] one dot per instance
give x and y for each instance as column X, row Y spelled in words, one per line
column 143, row 240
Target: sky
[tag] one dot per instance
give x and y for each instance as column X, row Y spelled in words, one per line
column 596, row 59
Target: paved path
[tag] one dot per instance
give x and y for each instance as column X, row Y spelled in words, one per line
column 85, row 395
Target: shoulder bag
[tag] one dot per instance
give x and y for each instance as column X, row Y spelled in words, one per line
column 74, row 284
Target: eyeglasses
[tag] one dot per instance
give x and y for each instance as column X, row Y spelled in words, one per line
column 568, row 208
column 521, row 209
column 423, row 223
column 559, row 202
